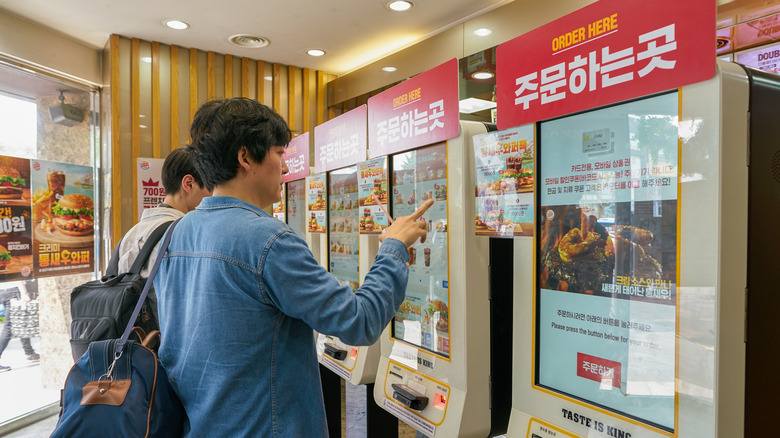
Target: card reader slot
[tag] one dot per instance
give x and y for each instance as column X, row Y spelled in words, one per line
column 409, row 397
column 333, row 351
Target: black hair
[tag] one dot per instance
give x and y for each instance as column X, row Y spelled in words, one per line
column 222, row 127
column 178, row 164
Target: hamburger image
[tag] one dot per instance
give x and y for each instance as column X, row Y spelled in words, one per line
column 440, row 313
column 11, row 183
column 5, row 258
column 73, row 215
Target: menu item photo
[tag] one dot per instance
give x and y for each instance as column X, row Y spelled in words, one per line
column 11, row 183
column 74, row 215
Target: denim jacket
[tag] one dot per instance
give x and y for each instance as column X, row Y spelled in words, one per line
column 239, row 295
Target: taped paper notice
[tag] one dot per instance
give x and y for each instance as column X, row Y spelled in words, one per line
column 404, row 354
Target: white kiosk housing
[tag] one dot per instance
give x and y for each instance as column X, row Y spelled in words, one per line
column 434, row 368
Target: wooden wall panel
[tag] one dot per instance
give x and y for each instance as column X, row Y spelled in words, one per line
column 172, row 88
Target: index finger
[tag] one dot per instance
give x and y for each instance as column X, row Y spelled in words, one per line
column 421, row 211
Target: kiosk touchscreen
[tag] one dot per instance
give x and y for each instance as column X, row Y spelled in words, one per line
column 630, row 307
column 434, row 369
column 296, row 206
column 354, row 364
column 316, row 217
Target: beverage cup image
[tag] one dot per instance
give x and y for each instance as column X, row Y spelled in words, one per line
column 427, row 256
column 56, row 182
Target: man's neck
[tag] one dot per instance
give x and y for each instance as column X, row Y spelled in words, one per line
column 236, row 188
column 176, row 202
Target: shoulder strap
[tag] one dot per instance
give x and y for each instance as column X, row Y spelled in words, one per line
column 120, row 345
column 146, row 250
column 113, row 263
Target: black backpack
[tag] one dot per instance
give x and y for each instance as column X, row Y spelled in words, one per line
column 101, row 309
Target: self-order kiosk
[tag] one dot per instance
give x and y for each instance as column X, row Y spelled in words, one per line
column 640, row 307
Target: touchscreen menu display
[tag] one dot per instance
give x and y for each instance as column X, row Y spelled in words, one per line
column 607, row 258
column 423, row 319
column 343, row 238
column 296, row 206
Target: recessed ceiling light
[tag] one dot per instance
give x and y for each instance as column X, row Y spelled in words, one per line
column 400, row 5
column 249, row 41
column 473, row 105
column 388, row 69
column 483, row 31
column 315, row 52
column 482, row 75
column 176, row 24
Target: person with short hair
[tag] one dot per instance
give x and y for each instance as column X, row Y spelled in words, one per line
column 241, row 293
column 184, row 190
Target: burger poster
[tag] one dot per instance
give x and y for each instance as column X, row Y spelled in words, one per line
column 63, row 215
column 504, row 182
column 344, row 235
column 423, row 318
column 607, row 264
column 372, row 185
column 317, row 203
column 15, row 219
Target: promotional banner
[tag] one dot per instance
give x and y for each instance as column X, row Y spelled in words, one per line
column 765, row 58
column 63, row 210
column 344, row 237
column 372, row 186
column 420, row 111
column 341, row 141
column 606, row 52
column 296, row 206
column 607, row 258
column 279, row 208
column 296, row 155
column 504, row 182
column 423, row 318
column 16, row 245
column 317, row 204
column 149, row 183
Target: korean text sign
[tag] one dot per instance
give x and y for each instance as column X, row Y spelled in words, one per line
column 340, row 142
column 606, row 52
column 296, row 155
column 417, row 112
column 149, row 183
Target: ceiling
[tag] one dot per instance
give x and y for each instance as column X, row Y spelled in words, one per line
column 352, row 32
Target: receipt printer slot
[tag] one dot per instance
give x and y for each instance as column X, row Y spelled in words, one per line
column 335, row 352
column 409, row 397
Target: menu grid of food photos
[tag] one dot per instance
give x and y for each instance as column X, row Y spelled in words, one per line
column 372, row 186
column 343, row 238
column 504, row 182
column 607, row 258
column 296, row 206
column 317, row 205
column 423, row 318
column 46, row 218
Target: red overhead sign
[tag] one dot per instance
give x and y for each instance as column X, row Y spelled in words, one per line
column 296, row 155
column 414, row 113
column 609, row 51
column 341, row 141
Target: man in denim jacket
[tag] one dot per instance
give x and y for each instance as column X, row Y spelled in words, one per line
column 240, row 292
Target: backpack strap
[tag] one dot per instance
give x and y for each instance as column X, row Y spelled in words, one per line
column 113, row 263
column 120, row 344
column 146, row 250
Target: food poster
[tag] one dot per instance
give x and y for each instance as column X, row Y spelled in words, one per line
column 423, row 318
column 151, row 192
column 16, row 245
column 279, row 207
column 504, row 182
column 63, row 215
column 344, row 236
column 372, row 186
column 317, row 204
column 607, row 273
column 296, row 206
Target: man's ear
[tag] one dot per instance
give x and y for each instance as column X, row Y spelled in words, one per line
column 244, row 161
column 187, row 182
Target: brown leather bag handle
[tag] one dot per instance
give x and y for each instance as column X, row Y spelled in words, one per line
column 151, row 337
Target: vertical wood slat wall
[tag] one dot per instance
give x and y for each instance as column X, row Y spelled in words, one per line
column 157, row 84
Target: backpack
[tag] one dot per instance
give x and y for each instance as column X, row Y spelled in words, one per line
column 101, row 309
